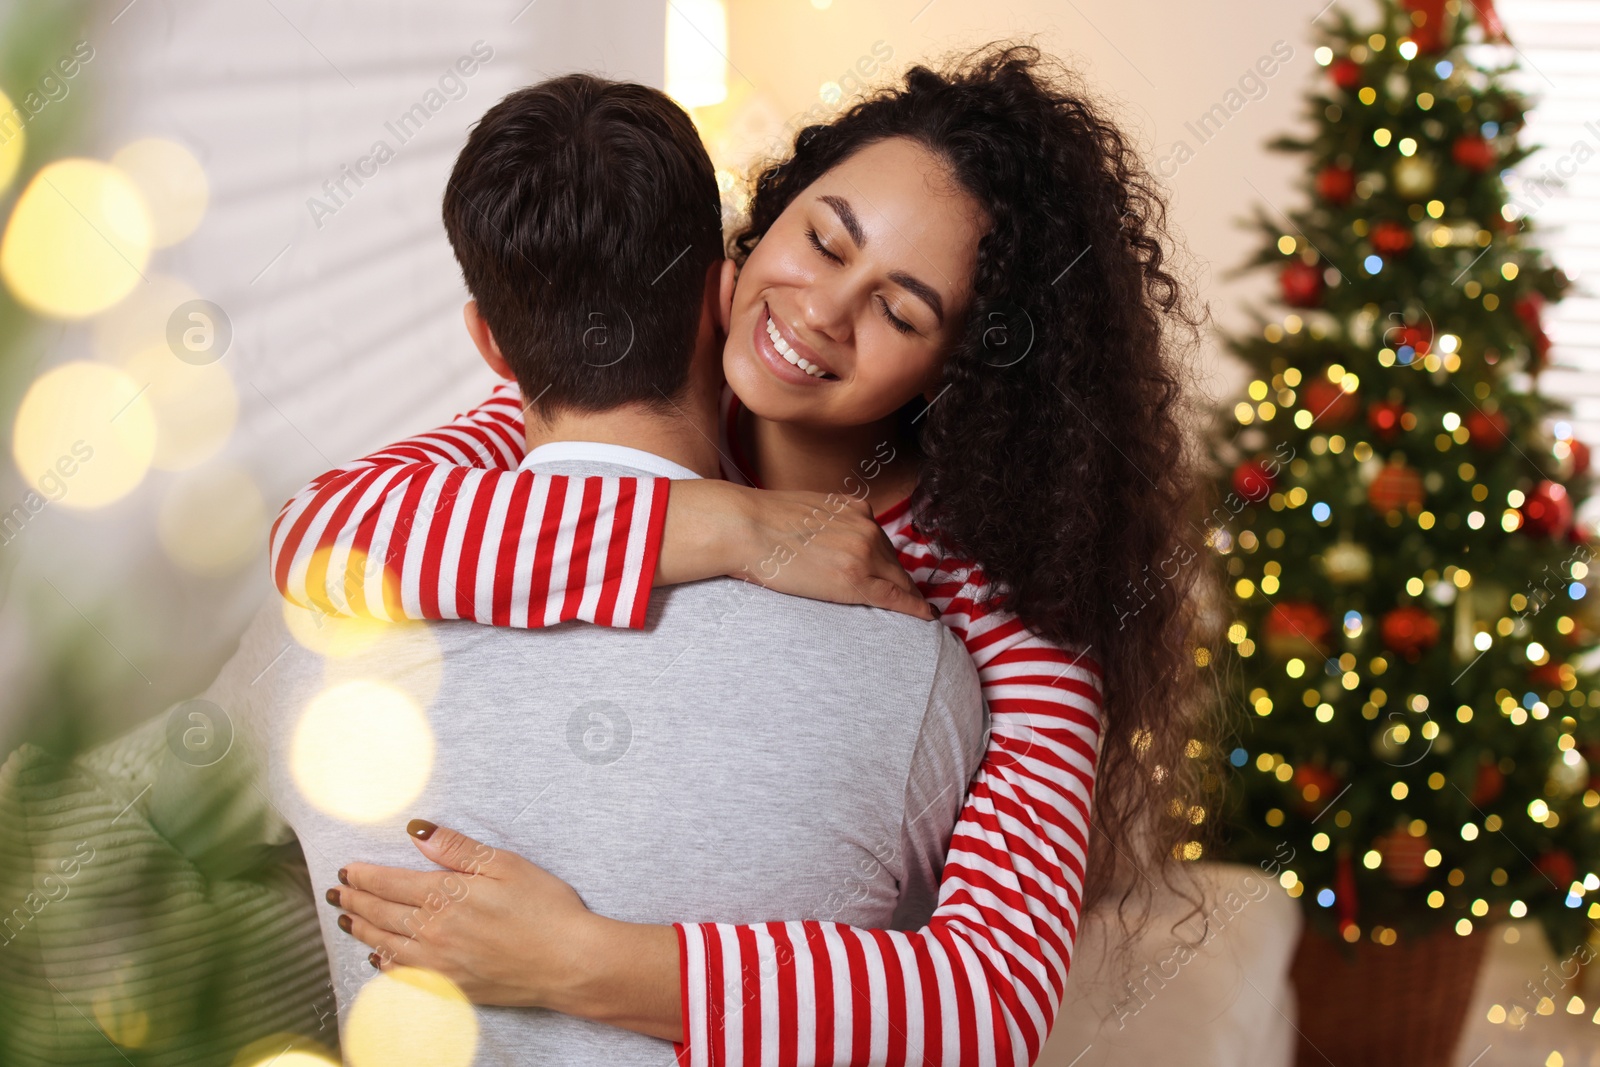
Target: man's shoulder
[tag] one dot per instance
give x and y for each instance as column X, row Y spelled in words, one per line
column 734, row 598
column 852, row 642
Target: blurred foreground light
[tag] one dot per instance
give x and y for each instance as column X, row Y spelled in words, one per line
column 284, row 1049
column 85, row 435
column 196, row 407
column 173, row 184
column 293, row 1058
column 362, row 752
column 213, row 520
column 78, row 239
column 140, row 321
column 13, row 142
column 410, row 1017
column 697, row 49
column 344, row 622
column 410, row 657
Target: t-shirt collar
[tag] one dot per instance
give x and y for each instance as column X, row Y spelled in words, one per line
column 601, row 452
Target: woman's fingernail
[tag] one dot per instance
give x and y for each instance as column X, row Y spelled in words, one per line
column 343, row 877
column 421, row 829
column 377, row 963
column 345, row 923
column 333, row 897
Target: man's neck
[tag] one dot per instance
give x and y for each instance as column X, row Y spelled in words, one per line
column 685, row 433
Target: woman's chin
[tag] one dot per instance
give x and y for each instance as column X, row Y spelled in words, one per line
column 761, row 394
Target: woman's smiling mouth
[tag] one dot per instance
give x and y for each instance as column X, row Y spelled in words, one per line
column 777, row 347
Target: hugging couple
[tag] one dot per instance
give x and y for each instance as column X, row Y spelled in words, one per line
column 923, row 402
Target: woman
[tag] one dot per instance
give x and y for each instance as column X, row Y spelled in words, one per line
column 1020, row 413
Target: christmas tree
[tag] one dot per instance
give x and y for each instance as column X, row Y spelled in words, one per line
column 1410, row 595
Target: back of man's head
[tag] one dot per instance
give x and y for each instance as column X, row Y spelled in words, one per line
column 584, row 214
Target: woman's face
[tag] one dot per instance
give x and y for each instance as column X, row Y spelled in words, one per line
column 866, row 278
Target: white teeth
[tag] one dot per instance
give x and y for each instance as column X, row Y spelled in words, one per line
column 788, row 353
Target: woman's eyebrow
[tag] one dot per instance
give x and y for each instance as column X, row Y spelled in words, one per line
column 910, row 283
column 921, row 290
column 847, row 218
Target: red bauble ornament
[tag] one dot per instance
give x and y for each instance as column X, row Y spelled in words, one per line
column 1489, row 19
column 1396, row 488
column 1486, row 429
column 1254, row 480
column 1346, row 72
column 1391, row 238
column 1418, row 337
column 1384, row 418
column 1488, row 784
column 1403, row 857
column 1429, row 36
column 1329, row 404
column 1295, row 628
column 1336, row 184
column 1409, row 630
column 1345, row 904
column 1546, row 675
column 1301, row 284
column 1473, row 152
column 1558, row 867
column 1580, row 457
column 1314, row 786
column 1547, row 512
column 1530, row 309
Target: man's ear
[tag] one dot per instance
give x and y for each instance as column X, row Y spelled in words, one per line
column 481, row 336
column 726, row 277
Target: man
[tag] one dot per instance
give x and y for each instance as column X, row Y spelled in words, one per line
column 746, row 756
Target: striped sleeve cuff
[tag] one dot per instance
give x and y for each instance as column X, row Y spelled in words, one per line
column 650, row 504
column 686, row 1048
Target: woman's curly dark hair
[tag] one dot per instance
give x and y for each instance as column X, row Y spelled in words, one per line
column 1058, row 457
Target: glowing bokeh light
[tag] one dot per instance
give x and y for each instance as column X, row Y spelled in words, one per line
column 196, row 407
column 13, row 142
column 293, row 1058
column 404, row 655
column 697, row 47
column 284, row 1049
column 362, row 752
column 140, row 321
column 120, row 1014
column 410, row 1017
column 84, row 435
column 329, row 635
column 213, row 520
column 173, row 183
column 78, row 239
column 369, row 587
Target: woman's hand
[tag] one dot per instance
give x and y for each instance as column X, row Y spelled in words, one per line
column 822, row 546
column 508, row 932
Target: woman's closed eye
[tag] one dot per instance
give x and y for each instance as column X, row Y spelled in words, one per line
column 894, row 320
column 822, row 249
column 816, row 242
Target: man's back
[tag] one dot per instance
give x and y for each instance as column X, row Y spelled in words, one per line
column 745, row 757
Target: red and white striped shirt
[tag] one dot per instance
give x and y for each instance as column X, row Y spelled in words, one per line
column 443, row 526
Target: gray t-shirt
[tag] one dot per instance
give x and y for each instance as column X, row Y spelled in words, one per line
column 745, row 757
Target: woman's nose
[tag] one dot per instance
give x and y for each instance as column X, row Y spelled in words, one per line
column 824, row 308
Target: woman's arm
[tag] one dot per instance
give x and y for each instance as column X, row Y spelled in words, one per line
column 982, row 982
column 444, row 526
column 979, row 984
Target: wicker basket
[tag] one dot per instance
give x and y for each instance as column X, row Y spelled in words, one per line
column 1369, row 1005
